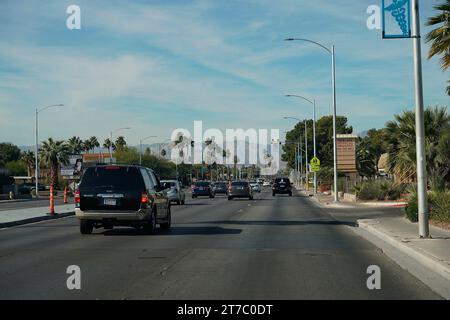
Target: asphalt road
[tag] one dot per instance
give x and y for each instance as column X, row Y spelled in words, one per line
column 269, row 248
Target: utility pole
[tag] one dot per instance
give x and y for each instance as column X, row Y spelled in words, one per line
column 424, row 231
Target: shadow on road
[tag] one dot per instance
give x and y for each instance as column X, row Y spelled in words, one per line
column 174, row 231
column 281, row 222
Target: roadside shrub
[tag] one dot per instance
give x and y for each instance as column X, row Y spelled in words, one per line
column 440, row 207
column 378, row 190
column 412, row 208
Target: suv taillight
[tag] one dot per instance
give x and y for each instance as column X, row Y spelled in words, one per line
column 144, row 198
column 77, row 196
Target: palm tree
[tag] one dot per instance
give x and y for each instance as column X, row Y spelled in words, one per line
column 94, row 142
column 28, row 158
column 53, row 153
column 87, row 146
column 75, row 145
column 440, row 37
column 107, row 144
column 401, row 136
column 120, row 142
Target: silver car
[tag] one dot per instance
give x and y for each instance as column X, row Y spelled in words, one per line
column 255, row 186
column 175, row 191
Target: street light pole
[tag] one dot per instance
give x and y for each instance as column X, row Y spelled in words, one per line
column 313, row 103
column 36, row 149
column 333, row 58
column 424, row 231
column 111, row 142
column 333, row 66
column 36, row 161
column 306, row 157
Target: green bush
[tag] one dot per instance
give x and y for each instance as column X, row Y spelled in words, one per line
column 440, row 206
column 412, row 209
column 378, row 190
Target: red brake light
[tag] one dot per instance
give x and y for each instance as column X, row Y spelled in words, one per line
column 144, row 198
column 77, row 196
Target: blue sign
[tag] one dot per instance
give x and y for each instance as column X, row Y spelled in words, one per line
column 396, row 19
column 299, row 158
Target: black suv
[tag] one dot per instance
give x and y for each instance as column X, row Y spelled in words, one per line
column 121, row 195
column 282, row 186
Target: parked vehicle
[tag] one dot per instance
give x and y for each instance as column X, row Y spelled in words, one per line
column 282, row 186
column 175, row 191
column 202, row 189
column 121, row 195
column 28, row 188
column 240, row 189
column 220, row 187
column 255, row 186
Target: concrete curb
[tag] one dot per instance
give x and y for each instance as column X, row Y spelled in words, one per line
column 440, row 267
column 36, row 219
column 16, row 200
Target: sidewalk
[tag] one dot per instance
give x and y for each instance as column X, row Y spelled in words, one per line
column 401, row 234
column 328, row 200
column 9, row 218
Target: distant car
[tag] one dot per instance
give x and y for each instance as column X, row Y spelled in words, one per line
column 240, row 189
column 28, row 188
column 220, row 187
column 266, row 183
column 202, row 189
column 121, row 195
column 174, row 190
column 282, row 186
column 260, row 180
column 255, row 186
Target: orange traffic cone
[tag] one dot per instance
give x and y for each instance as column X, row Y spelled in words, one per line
column 52, row 201
column 65, row 195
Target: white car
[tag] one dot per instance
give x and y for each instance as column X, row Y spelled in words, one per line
column 266, row 183
column 255, row 186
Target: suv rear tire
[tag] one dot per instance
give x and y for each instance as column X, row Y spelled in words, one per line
column 150, row 226
column 86, row 226
column 166, row 225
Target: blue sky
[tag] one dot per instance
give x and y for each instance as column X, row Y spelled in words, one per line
column 159, row 65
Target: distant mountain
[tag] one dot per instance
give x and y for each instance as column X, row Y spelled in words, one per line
column 363, row 134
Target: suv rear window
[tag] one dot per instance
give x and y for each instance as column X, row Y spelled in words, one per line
column 201, row 184
column 113, row 177
column 285, row 180
column 239, row 183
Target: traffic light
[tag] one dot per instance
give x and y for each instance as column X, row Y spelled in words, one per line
column 192, row 143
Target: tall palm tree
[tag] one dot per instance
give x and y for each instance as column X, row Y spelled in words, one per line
column 52, row 154
column 75, row 145
column 440, row 37
column 401, row 136
column 120, row 142
column 28, row 158
column 94, row 142
column 87, row 145
column 107, row 144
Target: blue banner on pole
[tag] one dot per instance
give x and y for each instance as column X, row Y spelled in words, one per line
column 396, row 19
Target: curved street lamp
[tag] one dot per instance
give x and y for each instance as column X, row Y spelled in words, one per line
column 333, row 67
column 313, row 102
column 36, row 157
column 111, row 141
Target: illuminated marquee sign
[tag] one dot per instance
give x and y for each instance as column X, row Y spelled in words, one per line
column 396, row 19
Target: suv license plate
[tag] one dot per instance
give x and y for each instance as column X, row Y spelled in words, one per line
column 109, row 202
